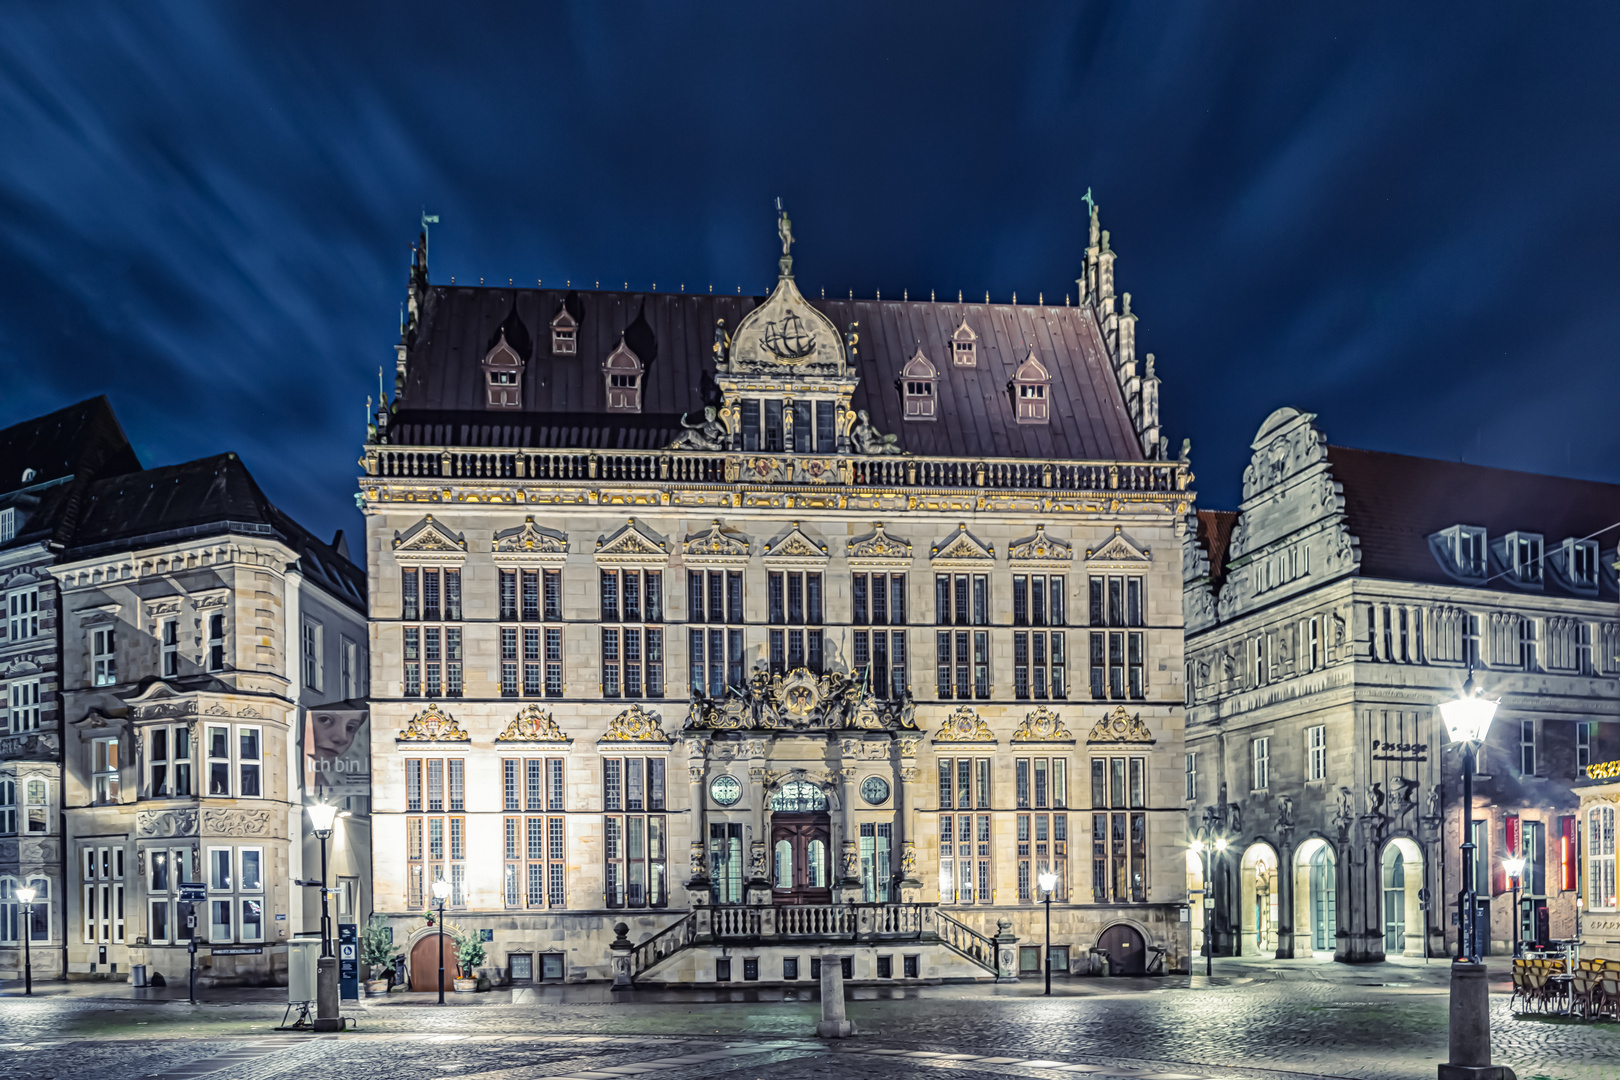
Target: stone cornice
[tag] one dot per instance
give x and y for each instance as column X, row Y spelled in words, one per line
column 205, row 553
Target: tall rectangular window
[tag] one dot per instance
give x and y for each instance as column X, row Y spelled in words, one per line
column 1260, row 763
column 313, row 640
column 535, row 846
column 23, row 614
column 715, row 655
column 1192, row 777
column 433, row 652
column 632, row 652
column 104, row 770
column 103, row 657
column 795, row 615
column 880, row 656
column 1316, row 752
column 962, row 599
column 216, row 653
column 169, row 647
column 1527, row 747
column 634, row 832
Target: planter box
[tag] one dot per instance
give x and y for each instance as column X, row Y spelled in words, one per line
column 466, row 986
column 377, row 988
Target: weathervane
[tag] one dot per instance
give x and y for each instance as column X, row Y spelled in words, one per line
column 1091, row 204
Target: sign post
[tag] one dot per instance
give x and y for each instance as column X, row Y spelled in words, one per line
column 192, row 893
column 349, row 961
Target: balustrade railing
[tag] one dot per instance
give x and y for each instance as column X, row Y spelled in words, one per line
column 662, row 945
column 966, row 941
column 657, row 467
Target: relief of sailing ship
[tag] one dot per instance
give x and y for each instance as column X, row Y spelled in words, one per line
column 790, row 341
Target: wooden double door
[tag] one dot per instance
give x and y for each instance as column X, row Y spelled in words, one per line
column 425, row 963
column 801, row 858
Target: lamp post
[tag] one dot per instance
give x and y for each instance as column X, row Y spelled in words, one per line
column 1208, row 840
column 26, row 895
column 1515, row 870
column 1048, row 882
column 322, row 816
column 441, row 893
column 1468, row 720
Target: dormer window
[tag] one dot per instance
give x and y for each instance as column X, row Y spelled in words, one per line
column 918, row 381
column 1524, row 552
column 1465, row 544
column 564, row 334
column 623, row 371
column 964, row 346
column 1581, row 563
column 503, row 376
column 1031, row 386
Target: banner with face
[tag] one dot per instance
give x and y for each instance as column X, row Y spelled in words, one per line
column 337, row 753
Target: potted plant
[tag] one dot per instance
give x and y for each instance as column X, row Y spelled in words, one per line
column 377, row 954
column 469, row 956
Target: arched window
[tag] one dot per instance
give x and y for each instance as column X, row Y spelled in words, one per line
column 1032, row 385
column 623, row 372
column 965, row 346
column 503, row 373
column 8, row 807
column 564, row 333
column 798, row 797
column 918, row 381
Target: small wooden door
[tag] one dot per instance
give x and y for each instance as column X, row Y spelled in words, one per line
column 801, row 858
column 425, row 963
column 1127, row 952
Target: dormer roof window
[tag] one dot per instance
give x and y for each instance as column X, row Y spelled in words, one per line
column 918, row 381
column 1032, row 385
column 1581, row 564
column 564, row 334
column 965, row 346
column 1461, row 550
column 1524, row 556
column 623, row 371
column 503, row 376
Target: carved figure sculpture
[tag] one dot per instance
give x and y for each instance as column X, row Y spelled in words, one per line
column 867, row 440
column 706, row 434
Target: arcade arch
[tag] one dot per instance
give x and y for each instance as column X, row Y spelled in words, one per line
column 1257, row 906
column 1401, row 881
column 1316, row 897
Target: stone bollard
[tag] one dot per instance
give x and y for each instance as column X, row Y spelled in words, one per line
column 834, row 1024
column 1471, row 1028
column 621, row 956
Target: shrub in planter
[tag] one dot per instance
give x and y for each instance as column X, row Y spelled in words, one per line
column 470, row 955
column 376, row 953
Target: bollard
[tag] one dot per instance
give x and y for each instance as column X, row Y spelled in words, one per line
column 1471, row 1028
column 833, row 1024
column 327, row 1016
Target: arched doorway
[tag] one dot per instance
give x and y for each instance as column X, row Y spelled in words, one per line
column 801, row 840
column 1195, row 900
column 1401, row 872
column 1257, row 915
column 1127, row 952
column 1316, row 896
column 425, row 962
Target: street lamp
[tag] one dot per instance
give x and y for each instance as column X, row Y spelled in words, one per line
column 441, row 893
column 1515, row 870
column 321, row 818
column 26, row 896
column 1048, row 882
column 1209, row 840
column 1468, row 720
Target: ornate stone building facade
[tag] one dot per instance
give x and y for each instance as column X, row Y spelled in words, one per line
column 45, row 466
column 199, row 623
column 772, row 629
column 1348, row 596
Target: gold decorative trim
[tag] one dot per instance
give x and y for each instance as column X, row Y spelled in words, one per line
column 963, row 547
column 1040, row 548
column 532, row 724
column 429, row 541
column 433, row 725
column 716, row 547
column 878, row 549
column 636, row 724
column 1042, row 725
column 631, row 546
column 529, row 543
column 1119, row 548
column 964, row 725
column 1120, row 726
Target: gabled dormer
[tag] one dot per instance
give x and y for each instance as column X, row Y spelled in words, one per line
column 919, row 383
column 964, row 346
column 503, row 376
column 623, row 371
column 564, row 333
column 1523, row 555
column 1577, row 564
column 1462, row 552
column 1032, row 389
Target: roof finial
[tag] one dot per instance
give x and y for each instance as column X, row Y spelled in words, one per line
column 958, row 296
column 930, row 296
column 784, row 229
column 1088, row 200
column 987, row 296
column 427, row 219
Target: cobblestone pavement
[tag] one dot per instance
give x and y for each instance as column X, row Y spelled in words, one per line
column 1378, row 1024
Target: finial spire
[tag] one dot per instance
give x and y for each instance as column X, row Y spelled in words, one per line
column 784, row 229
column 427, row 219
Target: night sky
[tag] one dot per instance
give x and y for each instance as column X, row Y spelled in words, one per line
column 1402, row 217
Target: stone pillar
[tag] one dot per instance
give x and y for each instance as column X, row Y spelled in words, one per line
column 1006, row 952
column 1285, row 901
column 621, row 947
column 1470, row 1028
column 327, row 1017
column 848, row 842
column 834, row 1022
column 905, row 820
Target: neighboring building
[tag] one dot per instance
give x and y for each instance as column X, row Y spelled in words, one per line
column 1326, row 619
column 667, row 632
column 199, row 624
column 45, row 466
column 1600, row 803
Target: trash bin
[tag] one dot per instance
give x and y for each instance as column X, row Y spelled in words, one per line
column 302, row 954
column 137, row 975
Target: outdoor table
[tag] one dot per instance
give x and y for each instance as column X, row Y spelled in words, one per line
column 1560, row 990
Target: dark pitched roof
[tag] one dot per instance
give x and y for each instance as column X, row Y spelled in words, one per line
column 564, row 397
column 60, row 453
column 211, row 496
column 1394, row 503
column 1215, row 534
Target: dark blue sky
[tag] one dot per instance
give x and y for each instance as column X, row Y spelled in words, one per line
column 1401, row 217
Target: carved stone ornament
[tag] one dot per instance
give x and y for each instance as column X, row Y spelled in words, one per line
column 166, row 822
column 964, row 725
column 963, row 547
column 801, row 701
column 1042, row 725
column 631, row 546
column 1119, row 548
column 635, row 724
column 908, row 860
column 1040, row 548
column 219, row 821
column 879, row 548
column 433, row 725
column 796, row 546
column 530, row 539
column 716, row 547
column 429, row 541
column 532, row 724
column 1120, row 726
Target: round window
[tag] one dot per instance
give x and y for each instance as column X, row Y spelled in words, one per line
column 875, row 790
column 725, row 790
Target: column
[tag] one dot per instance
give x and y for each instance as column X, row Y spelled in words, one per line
column 905, row 821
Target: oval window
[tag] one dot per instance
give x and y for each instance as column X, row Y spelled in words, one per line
column 725, row 790
column 875, row 790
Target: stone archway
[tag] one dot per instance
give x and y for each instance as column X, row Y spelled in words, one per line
column 424, row 962
column 1400, row 878
column 1316, row 897
column 1126, row 949
column 1257, row 904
